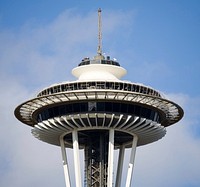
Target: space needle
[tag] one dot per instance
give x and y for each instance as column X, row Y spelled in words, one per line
column 98, row 113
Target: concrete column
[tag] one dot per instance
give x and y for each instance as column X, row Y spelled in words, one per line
column 110, row 158
column 77, row 167
column 131, row 162
column 120, row 166
column 65, row 164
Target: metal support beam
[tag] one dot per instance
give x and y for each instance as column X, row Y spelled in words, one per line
column 65, row 164
column 110, row 157
column 120, row 166
column 76, row 159
column 131, row 162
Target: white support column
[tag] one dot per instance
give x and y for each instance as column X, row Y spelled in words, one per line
column 110, row 157
column 120, row 166
column 76, row 159
column 131, row 163
column 65, row 164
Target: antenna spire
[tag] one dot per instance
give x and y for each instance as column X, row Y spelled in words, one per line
column 99, row 50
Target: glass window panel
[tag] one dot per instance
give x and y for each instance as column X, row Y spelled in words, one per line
column 92, row 106
column 108, row 107
column 76, row 107
column 116, row 107
column 124, row 108
column 101, row 106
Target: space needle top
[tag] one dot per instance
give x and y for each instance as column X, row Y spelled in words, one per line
column 98, row 112
column 99, row 68
column 99, row 81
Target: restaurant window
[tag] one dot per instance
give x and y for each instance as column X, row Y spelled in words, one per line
column 92, row 106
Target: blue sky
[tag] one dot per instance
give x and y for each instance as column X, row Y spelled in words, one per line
column 158, row 42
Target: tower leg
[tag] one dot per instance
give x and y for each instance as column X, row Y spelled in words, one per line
column 110, row 157
column 76, row 158
column 120, row 166
column 65, row 164
column 96, row 158
column 131, row 162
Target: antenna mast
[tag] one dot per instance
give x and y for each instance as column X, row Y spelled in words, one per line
column 99, row 50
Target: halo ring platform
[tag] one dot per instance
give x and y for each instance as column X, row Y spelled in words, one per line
column 148, row 130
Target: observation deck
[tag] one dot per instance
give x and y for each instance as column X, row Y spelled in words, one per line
column 99, row 100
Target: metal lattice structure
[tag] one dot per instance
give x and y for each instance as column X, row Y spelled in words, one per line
column 99, row 113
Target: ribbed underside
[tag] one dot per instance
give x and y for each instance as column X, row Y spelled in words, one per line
column 51, row 130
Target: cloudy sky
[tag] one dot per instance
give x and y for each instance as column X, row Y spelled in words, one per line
column 158, row 42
